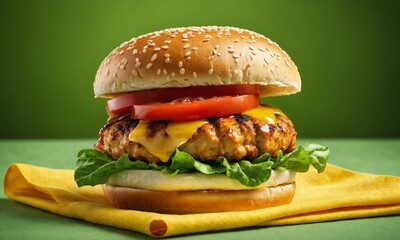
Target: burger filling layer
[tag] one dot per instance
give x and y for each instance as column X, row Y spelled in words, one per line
column 236, row 137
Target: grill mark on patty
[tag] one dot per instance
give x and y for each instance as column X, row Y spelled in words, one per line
column 154, row 127
column 241, row 118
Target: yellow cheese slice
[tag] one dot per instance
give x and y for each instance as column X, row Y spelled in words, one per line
column 163, row 144
column 264, row 113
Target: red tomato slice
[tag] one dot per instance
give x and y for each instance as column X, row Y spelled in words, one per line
column 124, row 102
column 211, row 107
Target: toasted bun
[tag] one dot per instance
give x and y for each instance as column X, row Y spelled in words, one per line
column 151, row 190
column 186, row 202
column 197, row 56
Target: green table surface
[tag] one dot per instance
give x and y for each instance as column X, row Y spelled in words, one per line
column 18, row 221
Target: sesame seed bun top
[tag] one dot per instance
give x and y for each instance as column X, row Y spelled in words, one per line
column 197, row 56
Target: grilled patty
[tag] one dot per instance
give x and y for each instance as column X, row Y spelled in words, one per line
column 236, row 137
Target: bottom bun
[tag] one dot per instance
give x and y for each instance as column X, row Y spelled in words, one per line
column 204, row 201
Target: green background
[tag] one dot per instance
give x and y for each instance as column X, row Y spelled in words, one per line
column 346, row 51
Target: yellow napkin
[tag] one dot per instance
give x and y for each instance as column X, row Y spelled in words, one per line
column 335, row 194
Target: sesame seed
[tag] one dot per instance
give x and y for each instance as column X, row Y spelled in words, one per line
column 210, row 58
column 123, row 63
column 172, row 74
column 266, row 61
column 158, row 71
column 194, row 48
column 154, row 57
column 214, row 52
column 180, row 64
column 185, row 40
column 182, row 71
column 188, row 53
column 216, row 46
column 166, row 55
column 231, row 51
column 230, row 46
column 167, row 60
column 157, row 49
column 254, row 53
column 107, row 72
column 136, row 59
column 269, row 41
column 121, row 52
column 236, row 60
column 243, row 37
column 152, row 44
column 236, row 55
column 194, row 74
column 164, row 47
column 186, row 45
column 287, row 62
column 167, row 41
column 173, row 35
column 210, row 71
column 165, row 72
column 236, row 40
column 251, row 57
column 261, row 49
column 134, row 51
column 266, row 48
column 138, row 64
column 206, row 40
column 251, row 48
column 148, row 66
column 135, row 73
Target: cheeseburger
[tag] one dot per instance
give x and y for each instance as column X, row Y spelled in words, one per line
column 186, row 131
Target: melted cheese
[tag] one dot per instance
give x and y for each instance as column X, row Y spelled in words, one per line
column 163, row 144
column 264, row 113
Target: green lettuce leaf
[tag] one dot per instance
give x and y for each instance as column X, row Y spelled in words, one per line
column 95, row 167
